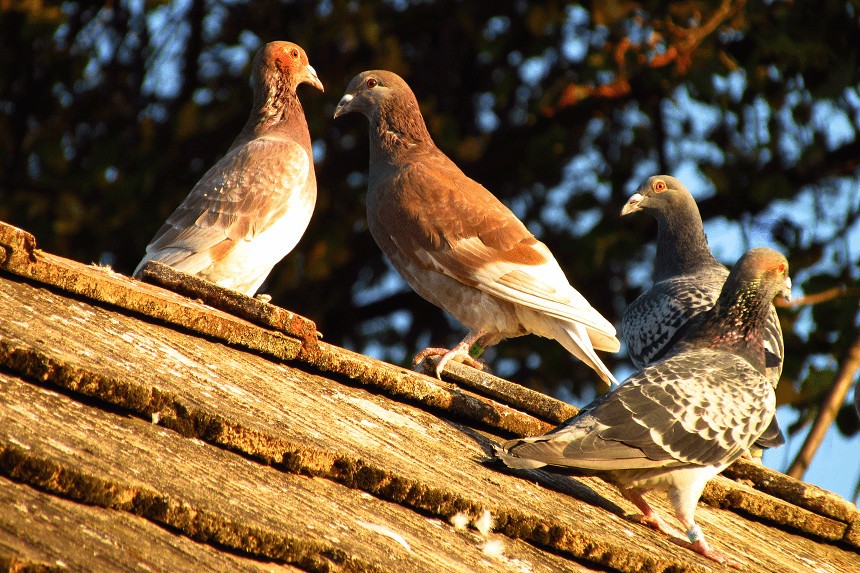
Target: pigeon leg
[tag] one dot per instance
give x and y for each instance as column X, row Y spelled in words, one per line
column 649, row 517
column 698, row 543
column 460, row 353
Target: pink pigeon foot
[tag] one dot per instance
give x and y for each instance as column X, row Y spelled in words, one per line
column 649, row 517
column 460, row 353
column 654, row 521
column 457, row 354
column 702, row 547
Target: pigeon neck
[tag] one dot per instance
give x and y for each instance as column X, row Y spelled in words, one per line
column 682, row 246
column 398, row 130
column 277, row 109
column 737, row 321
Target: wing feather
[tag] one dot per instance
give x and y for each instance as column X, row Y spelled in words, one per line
column 470, row 236
column 237, row 199
column 701, row 407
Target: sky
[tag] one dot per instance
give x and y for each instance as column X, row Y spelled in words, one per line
column 836, row 465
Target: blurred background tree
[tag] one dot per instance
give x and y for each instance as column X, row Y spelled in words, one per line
column 110, row 113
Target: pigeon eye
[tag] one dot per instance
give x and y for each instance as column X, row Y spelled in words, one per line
column 659, row 186
column 781, row 268
column 372, row 83
column 294, row 53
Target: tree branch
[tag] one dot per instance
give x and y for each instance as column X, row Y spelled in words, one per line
column 840, row 291
column 679, row 52
column 827, row 412
column 690, row 38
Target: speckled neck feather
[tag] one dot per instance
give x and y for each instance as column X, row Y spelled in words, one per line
column 737, row 320
column 276, row 110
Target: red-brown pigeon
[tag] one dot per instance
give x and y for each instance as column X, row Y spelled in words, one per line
column 680, row 421
column 252, row 207
column 687, row 282
column 456, row 244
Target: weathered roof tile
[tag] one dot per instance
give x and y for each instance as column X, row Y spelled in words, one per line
column 252, row 439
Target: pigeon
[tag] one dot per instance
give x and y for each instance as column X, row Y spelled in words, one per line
column 678, row 422
column 687, row 277
column 687, row 282
column 456, row 244
column 252, row 207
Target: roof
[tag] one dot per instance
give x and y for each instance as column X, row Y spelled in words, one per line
column 146, row 429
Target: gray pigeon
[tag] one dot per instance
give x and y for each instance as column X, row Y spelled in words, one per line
column 456, row 244
column 680, row 421
column 252, row 207
column 687, row 282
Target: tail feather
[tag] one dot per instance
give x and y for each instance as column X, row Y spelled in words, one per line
column 515, row 462
column 575, row 338
column 602, row 341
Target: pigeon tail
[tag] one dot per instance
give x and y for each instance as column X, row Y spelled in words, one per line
column 602, row 341
column 575, row 338
column 516, row 462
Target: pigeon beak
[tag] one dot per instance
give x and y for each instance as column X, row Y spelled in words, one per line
column 312, row 78
column 342, row 105
column 786, row 292
column 632, row 204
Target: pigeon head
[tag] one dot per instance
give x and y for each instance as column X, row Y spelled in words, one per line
column 738, row 318
column 659, row 194
column 279, row 68
column 390, row 106
column 762, row 273
column 375, row 91
column 681, row 242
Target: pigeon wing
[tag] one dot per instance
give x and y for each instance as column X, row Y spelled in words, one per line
column 453, row 225
column 703, row 407
column 237, row 199
column 656, row 320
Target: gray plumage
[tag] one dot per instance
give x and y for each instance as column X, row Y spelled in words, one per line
column 678, row 422
column 251, row 208
column 456, row 244
column 687, row 282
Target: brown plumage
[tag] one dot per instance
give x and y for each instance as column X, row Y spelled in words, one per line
column 252, row 207
column 456, row 244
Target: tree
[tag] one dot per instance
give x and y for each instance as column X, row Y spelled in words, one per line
column 109, row 115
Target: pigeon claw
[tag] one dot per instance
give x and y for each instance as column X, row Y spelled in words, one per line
column 702, row 547
column 654, row 521
column 459, row 354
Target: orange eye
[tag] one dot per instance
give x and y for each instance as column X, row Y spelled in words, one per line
column 781, row 268
column 294, row 53
column 659, row 186
column 372, row 83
